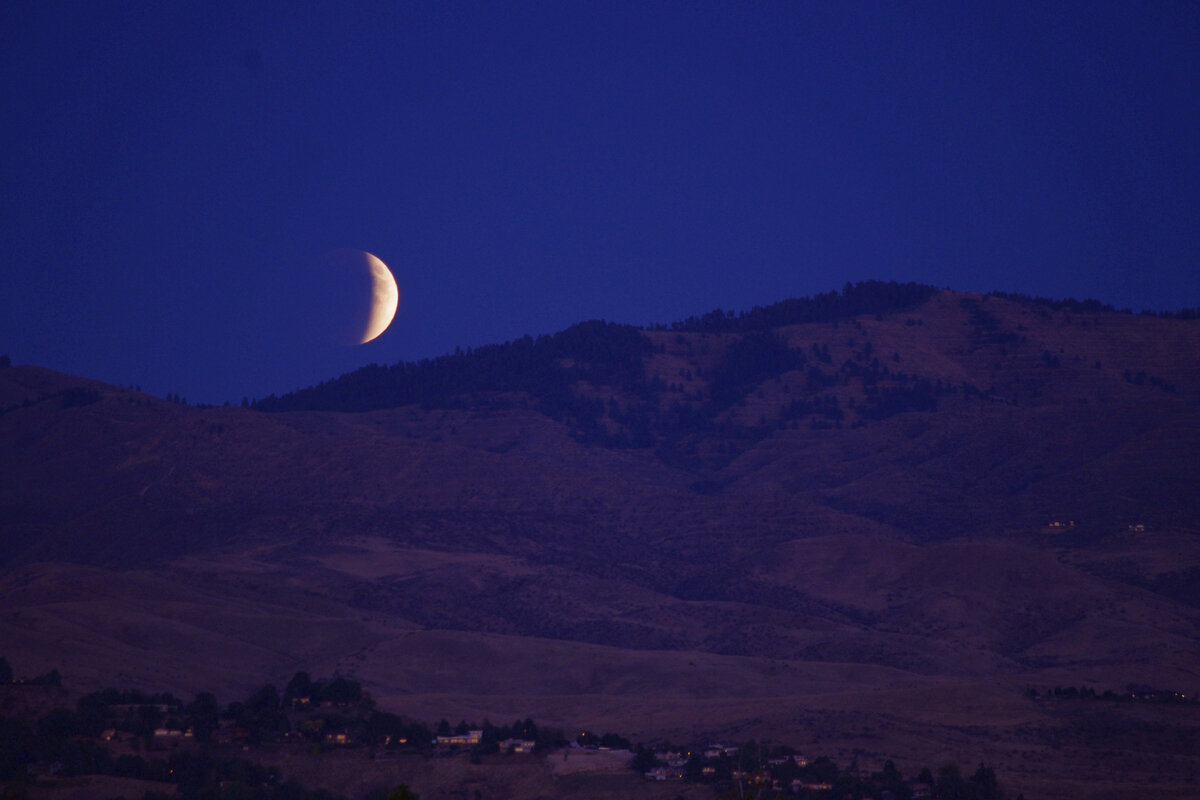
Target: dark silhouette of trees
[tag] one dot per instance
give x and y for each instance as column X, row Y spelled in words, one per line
column 748, row 362
column 855, row 299
column 596, row 351
column 299, row 686
column 205, row 713
column 79, row 396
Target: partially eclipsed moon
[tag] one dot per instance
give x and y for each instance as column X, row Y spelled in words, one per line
column 352, row 298
column 385, row 297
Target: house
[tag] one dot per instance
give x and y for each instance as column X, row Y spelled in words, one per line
column 470, row 739
column 173, row 733
column 665, row 774
column 232, row 735
column 517, row 746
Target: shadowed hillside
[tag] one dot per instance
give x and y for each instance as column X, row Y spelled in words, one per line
column 871, row 493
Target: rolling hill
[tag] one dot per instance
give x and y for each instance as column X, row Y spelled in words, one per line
column 869, row 519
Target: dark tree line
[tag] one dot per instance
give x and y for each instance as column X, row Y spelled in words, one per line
column 1091, row 306
column 57, row 739
column 752, row 760
column 547, row 371
column 748, row 362
column 596, row 351
column 855, row 299
column 545, row 368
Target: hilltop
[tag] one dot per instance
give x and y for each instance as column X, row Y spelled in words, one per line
column 895, row 503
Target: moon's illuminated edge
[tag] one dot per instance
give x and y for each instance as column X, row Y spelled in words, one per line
column 385, row 298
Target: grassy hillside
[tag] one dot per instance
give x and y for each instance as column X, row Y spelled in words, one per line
column 734, row 524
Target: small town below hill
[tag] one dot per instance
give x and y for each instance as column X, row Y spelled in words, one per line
column 201, row 749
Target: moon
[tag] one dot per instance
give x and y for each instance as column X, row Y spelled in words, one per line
column 385, row 298
column 355, row 297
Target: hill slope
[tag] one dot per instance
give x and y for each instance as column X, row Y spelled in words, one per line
column 946, row 489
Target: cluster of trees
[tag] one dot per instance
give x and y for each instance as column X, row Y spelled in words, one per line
column 985, row 327
column 549, row 370
column 137, row 713
column 749, row 361
column 51, row 678
column 79, row 396
column 196, row 774
column 855, row 299
column 754, row 765
column 1140, row 378
column 339, row 691
column 73, row 397
column 600, row 353
column 1091, row 306
column 611, row 741
column 1064, row 304
column 68, row 740
column 545, row 367
column 887, row 401
column 760, row 356
column 309, row 707
column 492, row 735
column 1138, row 694
column 1183, row 313
column 262, row 716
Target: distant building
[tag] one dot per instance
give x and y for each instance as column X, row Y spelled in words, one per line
column 172, row 733
column 470, row 738
column 133, row 708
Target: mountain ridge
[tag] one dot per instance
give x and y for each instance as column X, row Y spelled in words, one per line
column 1035, row 524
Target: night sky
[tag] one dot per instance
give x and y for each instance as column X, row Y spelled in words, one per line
column 171, row 170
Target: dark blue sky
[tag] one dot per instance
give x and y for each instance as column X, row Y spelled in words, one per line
column 170, row 169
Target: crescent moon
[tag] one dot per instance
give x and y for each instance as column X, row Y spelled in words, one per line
column 385, row 298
